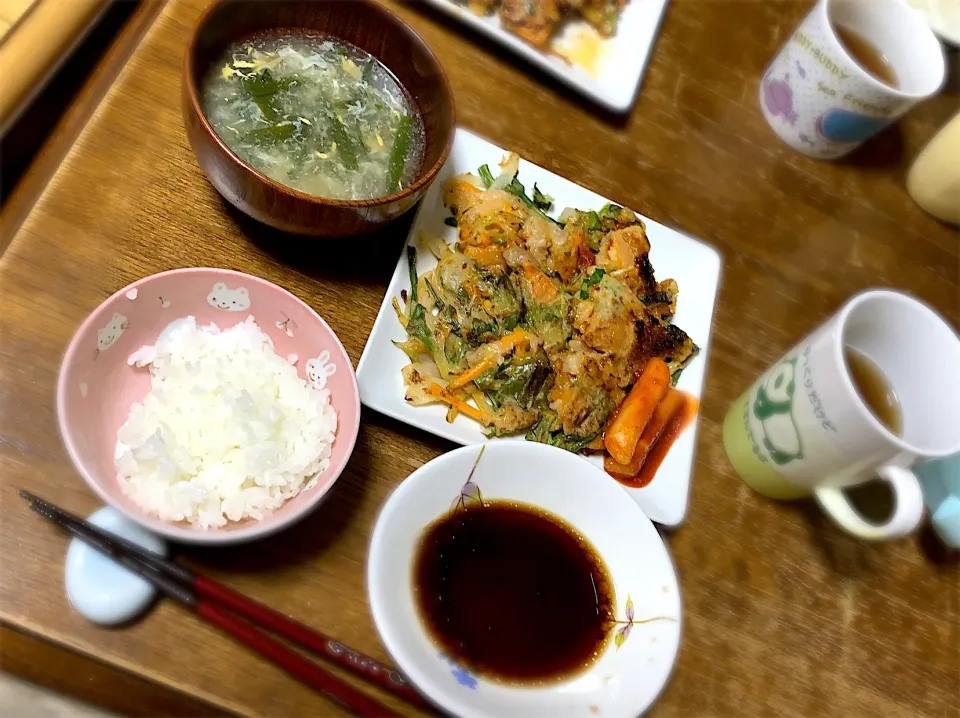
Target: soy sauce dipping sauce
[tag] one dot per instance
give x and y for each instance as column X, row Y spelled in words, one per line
column 513, row 593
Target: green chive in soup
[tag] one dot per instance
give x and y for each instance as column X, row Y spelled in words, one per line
column 316, row 114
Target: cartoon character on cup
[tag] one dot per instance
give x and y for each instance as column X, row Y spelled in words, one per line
column 778, row 96
column 773, row 408
column 839, row 125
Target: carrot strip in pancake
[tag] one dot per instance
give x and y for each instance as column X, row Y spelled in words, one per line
column 507, row 343
column 463, row 407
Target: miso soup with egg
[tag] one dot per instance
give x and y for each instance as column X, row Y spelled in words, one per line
column 316, row 114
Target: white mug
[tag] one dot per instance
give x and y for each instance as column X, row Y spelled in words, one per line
column 804, row 428
column 821, row 102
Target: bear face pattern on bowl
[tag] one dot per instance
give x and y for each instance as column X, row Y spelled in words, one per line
column 96, row 386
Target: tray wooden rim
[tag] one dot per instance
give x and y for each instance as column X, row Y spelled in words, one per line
column 48, row 160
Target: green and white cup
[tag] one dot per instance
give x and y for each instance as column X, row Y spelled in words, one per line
column 803, row 429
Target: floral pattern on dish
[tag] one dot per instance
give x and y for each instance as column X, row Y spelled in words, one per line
column 461, row 674
column 626, row 625
column 470, row 494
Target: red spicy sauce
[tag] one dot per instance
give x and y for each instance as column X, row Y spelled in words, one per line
column 675, row 425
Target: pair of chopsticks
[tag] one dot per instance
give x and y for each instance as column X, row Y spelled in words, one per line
column 217, row 604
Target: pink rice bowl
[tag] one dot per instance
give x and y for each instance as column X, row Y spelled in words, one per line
column 96, row 387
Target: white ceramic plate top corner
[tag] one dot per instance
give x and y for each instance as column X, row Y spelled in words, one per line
column 615, row 77
column 694, row 265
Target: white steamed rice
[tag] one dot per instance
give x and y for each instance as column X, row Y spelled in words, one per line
column 228, row 430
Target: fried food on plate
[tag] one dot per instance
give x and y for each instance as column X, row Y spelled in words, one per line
column 553, row 327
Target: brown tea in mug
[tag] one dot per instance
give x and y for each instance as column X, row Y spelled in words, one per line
column 875, row 390
column 867, row 55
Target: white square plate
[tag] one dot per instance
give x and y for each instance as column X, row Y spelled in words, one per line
column 616, row 72
column 694, row 265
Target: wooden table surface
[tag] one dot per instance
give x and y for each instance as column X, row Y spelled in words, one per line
column 784, row 615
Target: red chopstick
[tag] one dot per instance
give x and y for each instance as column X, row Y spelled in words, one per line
column 313, row 675
column 370, row 668
column 210, row 599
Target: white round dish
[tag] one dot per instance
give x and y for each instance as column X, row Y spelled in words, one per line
column 636, row 661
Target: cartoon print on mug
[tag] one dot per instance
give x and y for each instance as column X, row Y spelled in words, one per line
column 840, row 125
column 772, row 407
column 778, row 98
column 794, row 92
column 319, row 368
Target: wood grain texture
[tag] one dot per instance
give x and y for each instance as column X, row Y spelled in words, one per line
column 13, row 12
column 38, row 40
column 92, row 681
column 33, row 148
column 784, row 615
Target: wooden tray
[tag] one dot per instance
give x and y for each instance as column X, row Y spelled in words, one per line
column 35, row 37
column 768, row 590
